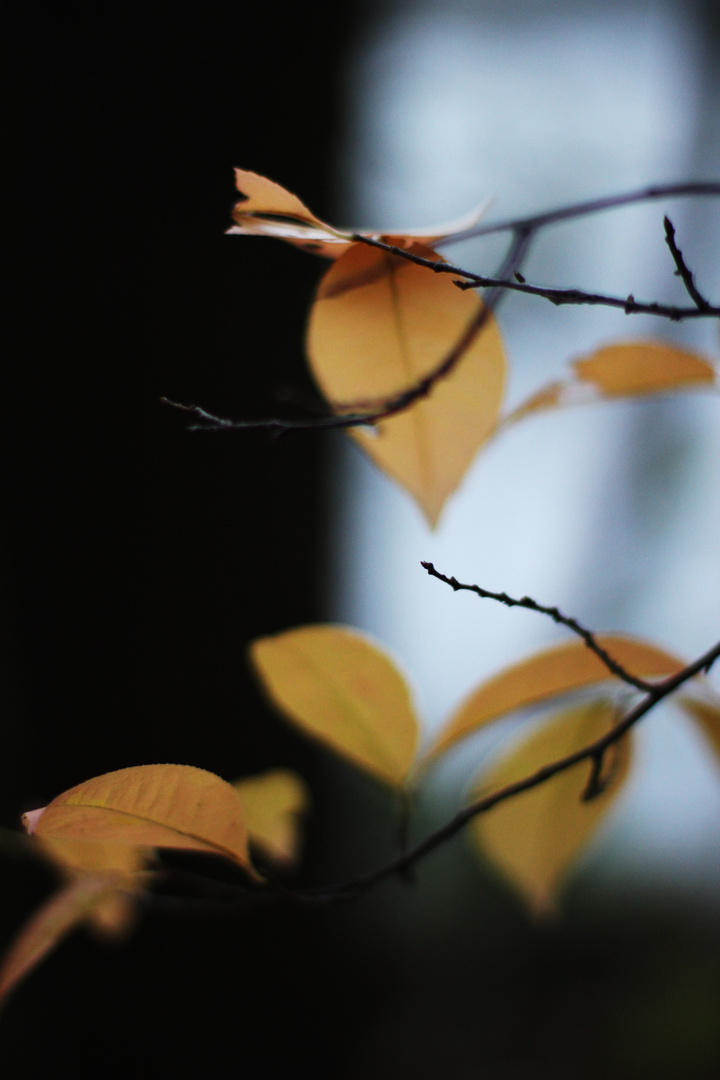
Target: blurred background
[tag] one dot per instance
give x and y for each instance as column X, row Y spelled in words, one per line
column 139, row 560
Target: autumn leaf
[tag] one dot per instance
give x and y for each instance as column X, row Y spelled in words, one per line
column 176, row 806
column 75, row 903
column 379, row 324
column 274, row 803
column 623, row 370
column 546, row 675
column 267, row 209
column 341, row 688
column 534, row 837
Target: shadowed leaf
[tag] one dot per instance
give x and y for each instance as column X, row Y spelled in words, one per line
column 378, row 325
column 548, row 674
column 534, row 837
column 75, row 903
column 274, row 803
column 338, row 686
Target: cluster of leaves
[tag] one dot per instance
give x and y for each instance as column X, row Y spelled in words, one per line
column 414, row 368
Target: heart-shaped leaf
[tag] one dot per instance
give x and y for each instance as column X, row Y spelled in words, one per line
column 379, row 325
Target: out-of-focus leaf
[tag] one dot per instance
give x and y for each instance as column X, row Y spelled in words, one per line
column 534, row 837
column 624, row 370
column 707, row 714
column 378, row 325
column 548, row 674
column 274, row 803
column 175, row 806
column 341, row 688
column 75, row 903
column 267, row 209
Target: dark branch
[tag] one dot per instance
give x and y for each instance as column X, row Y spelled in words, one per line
column 555, row 614
column 682, row 269
column 695, row 189
column 357, row 414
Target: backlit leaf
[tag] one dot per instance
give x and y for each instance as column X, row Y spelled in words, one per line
column 534, row 837
column 379, row 324
column 274, row 803
column 174, row 806
column 73, row 904
column 267, row 209
column 548, row 674
column 340, row 687
column 624, row 370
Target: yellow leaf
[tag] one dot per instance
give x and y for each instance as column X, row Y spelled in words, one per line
column 73, row 904
column 379, row 324
column 175, row 806
column 339, row 687
column 548, row 674
column 707, row 714
column 274, row 803
column 267, row 209
column 625, row 370
column 534, row 837
column 642, row 368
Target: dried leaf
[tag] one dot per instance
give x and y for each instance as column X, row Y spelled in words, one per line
column 548, row 674
column 75, row 903
column 379, row 324
column 267, row 209
column 625, row 370
column 175, row 806
column 274, row 804
column 340, row 687
column 534, row 837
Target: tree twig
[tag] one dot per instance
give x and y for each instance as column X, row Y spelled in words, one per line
column 682, row 270
column 555, row 614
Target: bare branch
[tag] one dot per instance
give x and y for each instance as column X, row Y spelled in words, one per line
column 682, row 269
column 555, row 614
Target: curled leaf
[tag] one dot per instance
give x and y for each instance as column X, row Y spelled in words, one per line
column 380, row 324
column 268, row 209
column 546, row 675
column 534, row 837
column 175, row 806
column 341, row 688
column 274, row 803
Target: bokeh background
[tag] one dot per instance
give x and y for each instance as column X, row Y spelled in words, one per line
column 138, row 560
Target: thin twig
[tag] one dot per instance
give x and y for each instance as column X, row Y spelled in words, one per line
column 693, row 189
column 404, row 863
column 357, row 414
column 682, row 268
column 555, row 614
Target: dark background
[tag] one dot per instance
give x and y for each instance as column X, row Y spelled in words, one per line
column 138, row 561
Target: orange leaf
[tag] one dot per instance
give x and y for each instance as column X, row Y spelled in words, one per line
column 548, row 674
column 267, row 209
column 73, row 904
column 340, row 687
column 379, row 324
column 534, row 837
column 625, row 370
column 175, row 806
